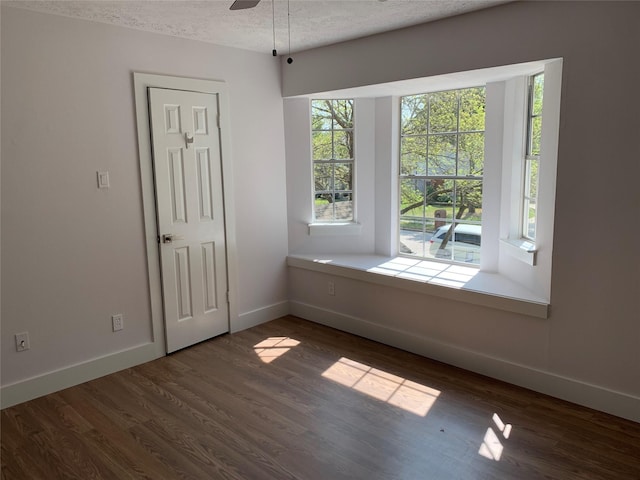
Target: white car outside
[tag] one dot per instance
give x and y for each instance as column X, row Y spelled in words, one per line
column 465, row 243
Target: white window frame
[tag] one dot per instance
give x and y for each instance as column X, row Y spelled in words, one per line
column 530, row 159
column 333, row 161
column 511, row 268
column 514, row 246
column 427, row 177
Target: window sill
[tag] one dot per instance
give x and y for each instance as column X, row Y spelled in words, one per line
column 334, row 229
column 523, row 250
column 454, row 282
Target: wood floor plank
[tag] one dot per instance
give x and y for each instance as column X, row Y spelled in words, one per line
column 294, row 400
column 194, row 433
column 109, row 438
column 228, row 430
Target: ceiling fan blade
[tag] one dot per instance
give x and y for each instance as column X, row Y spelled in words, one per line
column 242, row 4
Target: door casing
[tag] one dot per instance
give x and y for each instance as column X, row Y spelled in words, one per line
column 143, row 81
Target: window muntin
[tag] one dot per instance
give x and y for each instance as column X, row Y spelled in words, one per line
column 441, row 167
column 532, row 156
column 332, row 132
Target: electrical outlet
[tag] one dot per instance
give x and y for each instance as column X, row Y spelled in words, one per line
column 117, row 322
column 22, row 341
column 331, row 288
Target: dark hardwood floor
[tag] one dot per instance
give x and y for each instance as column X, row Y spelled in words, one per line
column 294, row 400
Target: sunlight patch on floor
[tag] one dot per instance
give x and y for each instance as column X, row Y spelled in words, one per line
column 273, row 347
column 397, row 391
column 492, row 447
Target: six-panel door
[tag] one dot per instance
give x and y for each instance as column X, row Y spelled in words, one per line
column 188, row 180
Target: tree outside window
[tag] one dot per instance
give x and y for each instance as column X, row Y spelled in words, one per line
column 333, row 159
column 441, row 167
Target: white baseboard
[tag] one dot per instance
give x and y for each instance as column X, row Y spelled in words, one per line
column 575, row 391
column 592, row 396
column 83, row 372
column 260, row 315
column 50, row 382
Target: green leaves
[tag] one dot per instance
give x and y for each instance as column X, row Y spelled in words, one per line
column 535, row 114
column 443, row 133
column 472, row 105
column 333, row 158
column 413, row 159
column 443, row 112
column 441, row 163
column 331, row 114
column 332, row 127
column 414, row 112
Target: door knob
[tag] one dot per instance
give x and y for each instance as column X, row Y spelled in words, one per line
column 170, row 237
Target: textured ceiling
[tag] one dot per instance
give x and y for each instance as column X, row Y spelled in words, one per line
column 314, row 23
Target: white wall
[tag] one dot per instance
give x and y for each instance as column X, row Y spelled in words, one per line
column 72, row 255
column 587, row 351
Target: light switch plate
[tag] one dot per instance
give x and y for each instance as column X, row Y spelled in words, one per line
column 103, row 179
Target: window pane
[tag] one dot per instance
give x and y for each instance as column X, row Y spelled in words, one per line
column 343, row 114
column 459, row 242
column 322, row 143
column 440, row 213
column 342, row 145
column 439, row 195
column 468, row 200
column 413, row 156
column 439, row 201
column 442, row 155
column 333, row 157
column 414, row 111
column 538, row 88
column 443, row 114
column 430, row 206
column 412, row 197
column 536, row 134
column 321, row 115
column 342, row 177
column 532, row 221
column 323, row 208
column 440, row 243
column 343, row 206
column 413, row 236
column 323, row 177
column 466, row 243
column 472, row 101
column 529, row 221
column 471, row 154
column 531, row 188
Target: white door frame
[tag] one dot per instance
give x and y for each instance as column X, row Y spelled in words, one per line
column 142, row 81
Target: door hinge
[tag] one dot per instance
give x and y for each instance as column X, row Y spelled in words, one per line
column 228, row 297
column 218, row 122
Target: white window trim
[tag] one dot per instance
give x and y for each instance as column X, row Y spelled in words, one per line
column 486, row 289
column 522, row 249
column 426, row 177
column 512, row 272
column 533, row 255
column 335, row 223
column 334, row 228
column 354, row 227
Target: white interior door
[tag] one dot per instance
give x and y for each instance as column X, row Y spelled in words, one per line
column 191, row 228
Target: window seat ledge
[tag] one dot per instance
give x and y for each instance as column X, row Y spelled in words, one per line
column 454, row 282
